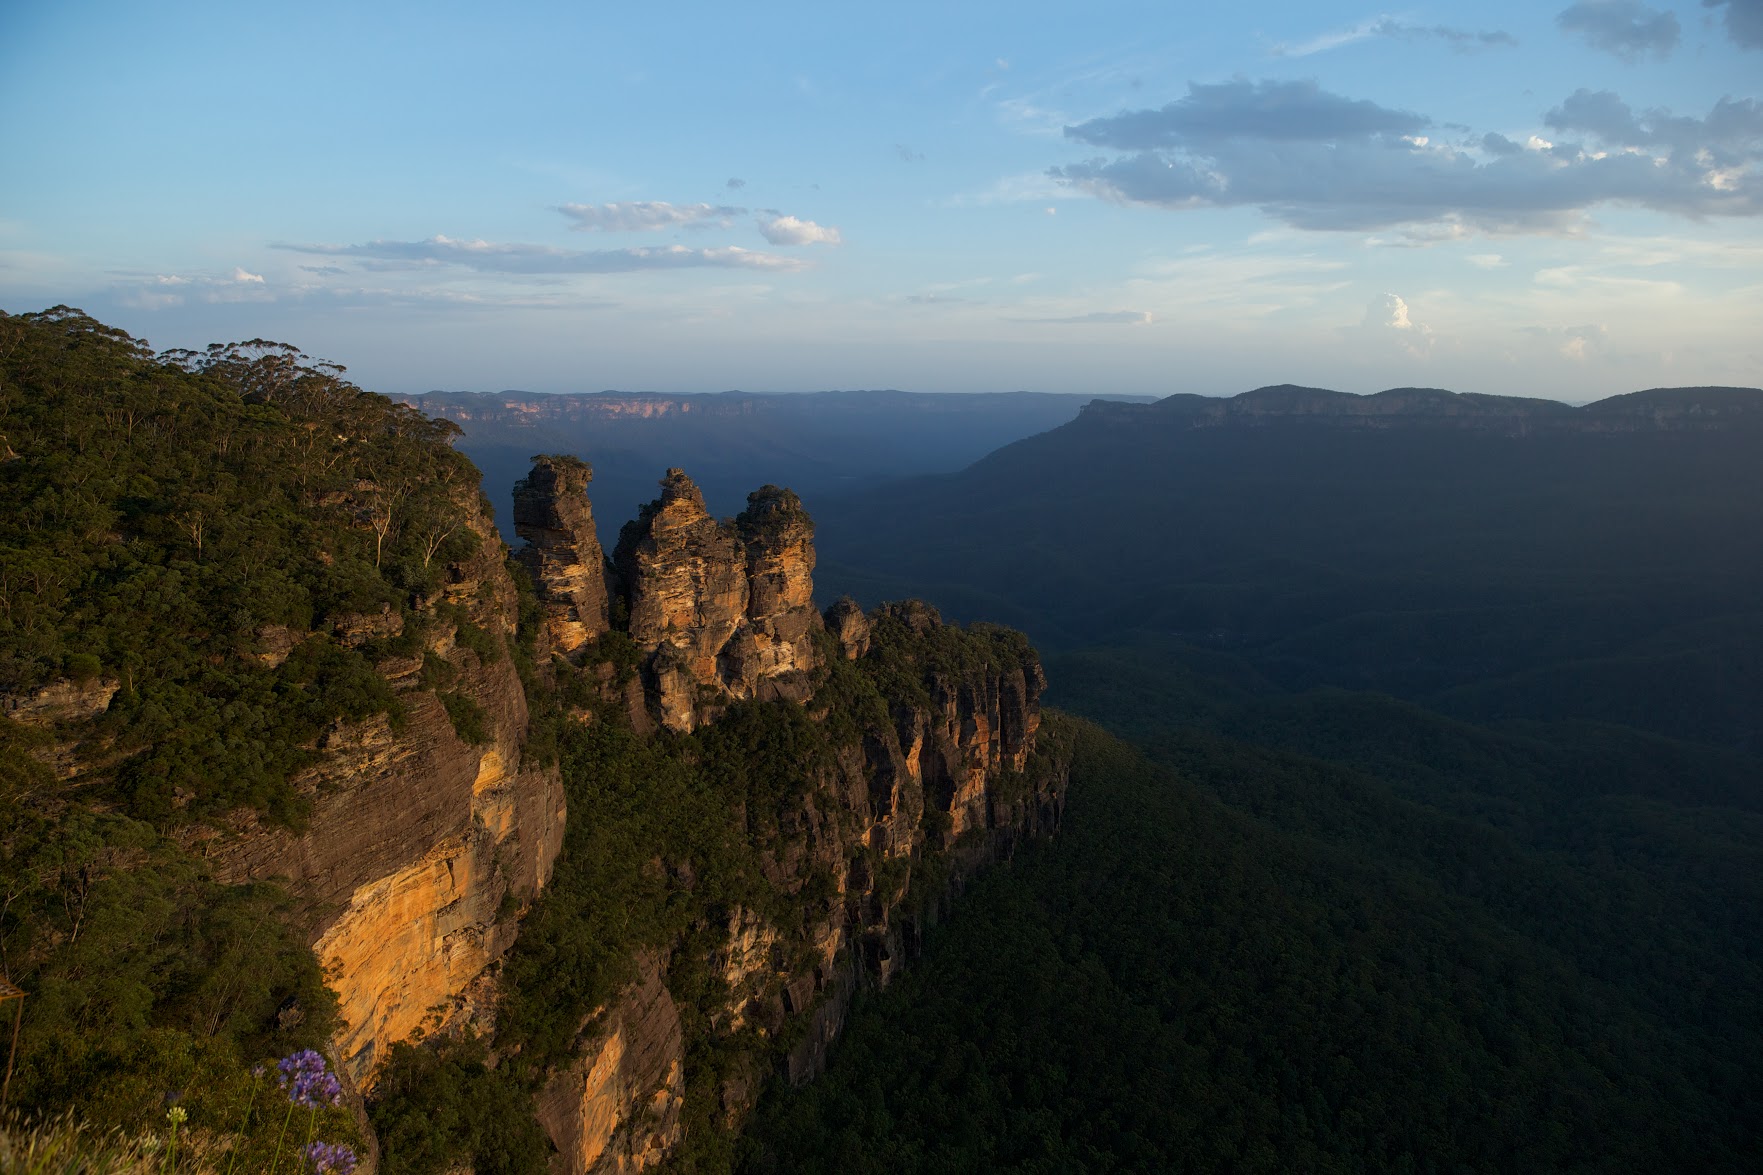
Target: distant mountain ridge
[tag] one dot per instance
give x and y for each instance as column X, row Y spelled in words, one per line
column 1654, row 408
column 518, row 409
column 816, row 443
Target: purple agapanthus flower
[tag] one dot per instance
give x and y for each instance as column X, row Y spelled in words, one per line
column 330, row 1158
column 308, row 1083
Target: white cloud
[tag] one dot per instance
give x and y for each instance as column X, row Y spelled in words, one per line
column 162, row 291
column 638, row 216
column 1488, row 261
column 790, row 230
column 1388, row 321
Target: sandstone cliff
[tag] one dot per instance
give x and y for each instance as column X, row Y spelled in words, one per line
column 930, row 769
column 421, row 848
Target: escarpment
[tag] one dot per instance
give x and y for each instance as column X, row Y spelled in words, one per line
column 614, row 839
column 862, row 766
column 422, row 846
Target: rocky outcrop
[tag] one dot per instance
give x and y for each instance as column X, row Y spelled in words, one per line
column 720, row 610
column 61, row 701
column 945, row 777
column 616, row 1107
column 562, row 551
column 845, row 620
column 421, row 849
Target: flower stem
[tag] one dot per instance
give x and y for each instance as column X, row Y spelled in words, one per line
column 277, row 1161
column 244, row 1124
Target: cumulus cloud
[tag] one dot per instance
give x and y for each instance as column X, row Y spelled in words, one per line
column 1318, row 160
column 1626, row 28
column 1119, row 317
column 735, row 183
column 637, row 216
column 790, row 230
column 1729, row 138
column 515, row 258
column 1459, row 40
column 1388, row 322
column 1744, row 21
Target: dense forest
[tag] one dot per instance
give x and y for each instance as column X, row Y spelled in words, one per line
column 1441, row 843
column 1433, row 950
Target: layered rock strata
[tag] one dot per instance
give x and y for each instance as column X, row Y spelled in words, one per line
column 421, row 849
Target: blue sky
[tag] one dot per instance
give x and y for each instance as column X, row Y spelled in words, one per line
column 1557, row 200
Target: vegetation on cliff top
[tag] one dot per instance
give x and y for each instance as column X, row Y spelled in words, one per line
column 176, row 526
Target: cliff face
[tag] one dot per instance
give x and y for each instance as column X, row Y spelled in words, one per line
column 421, row 849
column 562, row 551
column 943, row 776
column 719, row 610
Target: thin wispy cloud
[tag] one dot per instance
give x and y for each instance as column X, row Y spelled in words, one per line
column 1269, row 110
column 1457, row 40
column 1317, row 160
column 516, row 258
column 1100, row 317
column 1626, row 29
column 162, row 291
column 638, row 216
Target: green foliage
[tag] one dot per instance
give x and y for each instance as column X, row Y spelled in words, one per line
column 147, row 979
column 168, row 514
column 437, row 1107
column 1265, row 961
column 467, row 717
